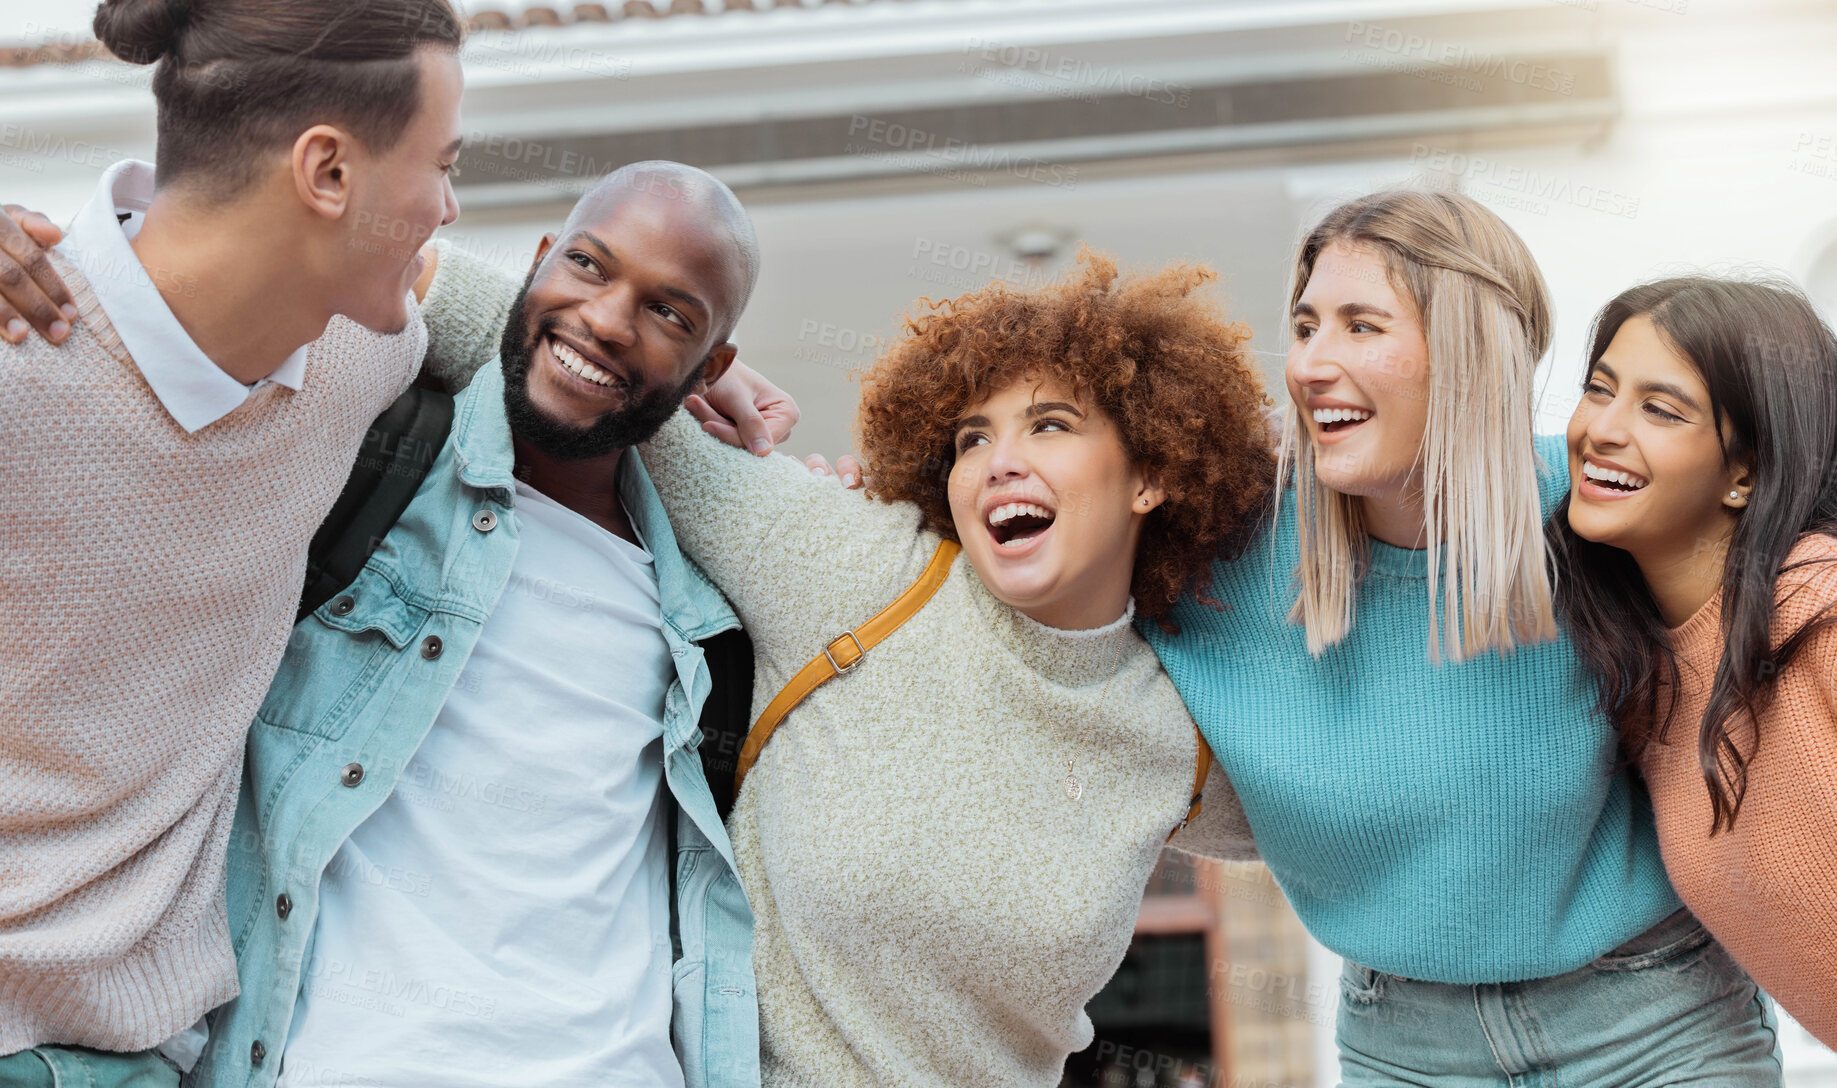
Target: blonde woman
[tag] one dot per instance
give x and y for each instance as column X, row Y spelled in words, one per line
column 1418, row 754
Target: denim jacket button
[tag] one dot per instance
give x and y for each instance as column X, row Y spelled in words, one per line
column 352, row 774
column 484, row 521
column 341, row 606
column 431, row 647
column 283, row 905
column 257, row 1052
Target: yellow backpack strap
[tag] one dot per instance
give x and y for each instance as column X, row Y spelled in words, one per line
column 844, row 654
column 1202, row 767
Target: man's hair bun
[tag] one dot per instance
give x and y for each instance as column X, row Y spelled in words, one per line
column 141, row 31
column 236, row 79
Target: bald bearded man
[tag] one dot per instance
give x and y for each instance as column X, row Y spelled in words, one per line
column 477, row 845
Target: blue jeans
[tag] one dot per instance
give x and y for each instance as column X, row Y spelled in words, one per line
column 77, row 1067
column 1669, row 1007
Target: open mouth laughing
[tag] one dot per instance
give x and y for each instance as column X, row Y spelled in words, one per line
column 1016, row 523
column 1340, row 420
column 1614, row 480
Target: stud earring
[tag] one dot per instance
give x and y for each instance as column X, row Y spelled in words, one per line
column 1734, row 494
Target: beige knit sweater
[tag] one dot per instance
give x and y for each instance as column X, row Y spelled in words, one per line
column 932, row 909
column 148, row 581
column 1768, row 887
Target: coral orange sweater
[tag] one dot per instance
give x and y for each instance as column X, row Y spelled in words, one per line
column 1768, row 888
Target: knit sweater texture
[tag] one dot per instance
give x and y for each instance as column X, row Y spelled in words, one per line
column 932, row 908
column 1767, row 888
column 147, row 587
column 1454, row 823
column 467, row 304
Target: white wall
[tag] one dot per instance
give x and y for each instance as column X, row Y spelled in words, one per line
column 1725, row 158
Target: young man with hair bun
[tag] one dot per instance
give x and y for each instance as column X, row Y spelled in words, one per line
column 225, row 342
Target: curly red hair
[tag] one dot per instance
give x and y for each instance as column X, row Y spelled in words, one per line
column 1160, row 360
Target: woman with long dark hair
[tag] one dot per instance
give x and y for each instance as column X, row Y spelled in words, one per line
column 1697, row 573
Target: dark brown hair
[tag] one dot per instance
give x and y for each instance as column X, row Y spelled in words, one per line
column 1160, row 361
column 1770, row 364
column 238, row 79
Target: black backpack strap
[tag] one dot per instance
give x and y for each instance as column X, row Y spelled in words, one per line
column 725, row 718
column 397, row 453
column 728, row 713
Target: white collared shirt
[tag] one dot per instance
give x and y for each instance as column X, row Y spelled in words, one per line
column 195, row 391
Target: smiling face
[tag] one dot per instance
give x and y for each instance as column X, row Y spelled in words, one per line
column 1358, row 372
column 615, row 324
column 1646, row 469
column 1048, row 505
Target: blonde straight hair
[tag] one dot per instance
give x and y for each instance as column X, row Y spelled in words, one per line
column 1486, row 317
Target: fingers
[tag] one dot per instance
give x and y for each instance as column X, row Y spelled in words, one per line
column 37, row 225
column 430, row 260
column 31, row 293
column 781, row 415
column 712, row 421
column 700, row 409
column 731, row 412
column 725, row 432
column 753, row 431
column 847, row 469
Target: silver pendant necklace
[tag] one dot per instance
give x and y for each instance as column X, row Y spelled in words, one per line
column 1074, row 789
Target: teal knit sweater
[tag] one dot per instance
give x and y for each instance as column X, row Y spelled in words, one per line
column 1454, row 823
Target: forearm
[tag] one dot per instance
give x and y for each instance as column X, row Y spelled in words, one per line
column 734, row 513
column 468, row 300
column 798, row 556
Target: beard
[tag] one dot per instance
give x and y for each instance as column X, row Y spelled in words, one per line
column 646, row 407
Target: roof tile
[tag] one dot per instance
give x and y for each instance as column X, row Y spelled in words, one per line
column 510, row 18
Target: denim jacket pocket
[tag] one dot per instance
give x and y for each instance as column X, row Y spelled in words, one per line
column 1669, row 940
column 339, row 656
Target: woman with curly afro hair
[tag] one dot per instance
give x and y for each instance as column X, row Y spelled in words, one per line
column 945, row 849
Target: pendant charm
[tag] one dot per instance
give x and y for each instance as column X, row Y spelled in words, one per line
column 1072, row 789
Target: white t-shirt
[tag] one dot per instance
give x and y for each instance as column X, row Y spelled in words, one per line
column 503, row 918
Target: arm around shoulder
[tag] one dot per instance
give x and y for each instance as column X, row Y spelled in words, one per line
column 466, row 302
column 801, row 558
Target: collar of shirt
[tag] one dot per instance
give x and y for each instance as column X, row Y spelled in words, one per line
column 485, row 458
column 195, row 391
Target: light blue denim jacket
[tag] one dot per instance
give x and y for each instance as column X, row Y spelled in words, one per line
column 361, row 683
